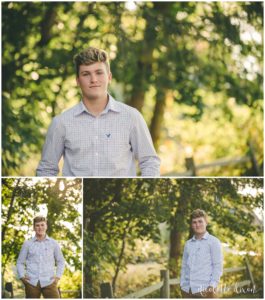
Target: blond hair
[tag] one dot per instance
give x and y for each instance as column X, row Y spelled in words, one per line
column 90, row 56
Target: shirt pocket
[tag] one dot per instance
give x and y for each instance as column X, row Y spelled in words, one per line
column 115, row 143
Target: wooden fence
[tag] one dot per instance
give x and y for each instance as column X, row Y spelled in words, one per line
column 192, row 169
column 165, row 282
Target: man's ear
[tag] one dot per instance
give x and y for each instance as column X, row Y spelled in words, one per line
column 110, row 76
column 77, row 81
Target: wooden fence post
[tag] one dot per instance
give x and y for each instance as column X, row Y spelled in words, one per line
column 9, row 288
column 165, row 289
column 80, row 293
column 190, row 165
column 250, row 273
column 253, row 158
column 106, row 290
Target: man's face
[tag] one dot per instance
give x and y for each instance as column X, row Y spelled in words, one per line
column 198, row 225
column 94, row 80
column 40, row 228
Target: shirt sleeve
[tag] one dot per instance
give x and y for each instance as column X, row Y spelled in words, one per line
column 183, row 281
column 21, row 261
column 143, row 148
column 53, row 149
column 59, row 259
column 217, row 262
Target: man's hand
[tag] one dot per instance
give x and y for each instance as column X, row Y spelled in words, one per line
column 25, row 279
column 211, row 292
column 210, row 289
column 56, row 280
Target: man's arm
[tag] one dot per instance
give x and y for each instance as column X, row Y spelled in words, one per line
column 143, row 148
column 59, row 259
column 53, row 150
column 184, row 267
column 21, row 261
column 217, row 262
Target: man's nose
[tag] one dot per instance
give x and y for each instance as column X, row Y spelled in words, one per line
column 93, row 78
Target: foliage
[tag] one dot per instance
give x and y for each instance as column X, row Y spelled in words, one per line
column 187, row 66
column 23, row 199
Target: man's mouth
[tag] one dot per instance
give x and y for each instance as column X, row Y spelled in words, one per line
column 93, row 86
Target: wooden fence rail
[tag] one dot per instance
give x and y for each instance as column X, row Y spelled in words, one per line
column 165, row 282
column 192, row 168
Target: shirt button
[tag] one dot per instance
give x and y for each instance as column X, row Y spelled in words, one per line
column 96, row 154
column 96, row 137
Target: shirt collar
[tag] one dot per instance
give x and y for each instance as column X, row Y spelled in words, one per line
column 204, row 237
column 111, row 105
column 46, row 238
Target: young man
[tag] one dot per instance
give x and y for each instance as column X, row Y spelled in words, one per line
column 40, row 255
column 99, row 136
column 202, row 261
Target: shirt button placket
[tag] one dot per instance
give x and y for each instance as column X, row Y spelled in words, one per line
column 97, row 146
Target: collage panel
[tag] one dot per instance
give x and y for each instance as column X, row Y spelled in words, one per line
column 173, row 238
column 41, row 238
column 190, row 73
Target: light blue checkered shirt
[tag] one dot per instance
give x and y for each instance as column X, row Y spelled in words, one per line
column 202, row 264
column 106, row 145
column 37, row 260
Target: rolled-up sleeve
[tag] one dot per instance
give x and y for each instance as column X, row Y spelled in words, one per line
column 21, row 261
column 59, row 259
column 217, row 262
column 53, row 149
column 143, row 148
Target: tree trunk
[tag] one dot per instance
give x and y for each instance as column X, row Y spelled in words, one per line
column 47, row 23
column 143, row 72
column 175, row 251
column 137, row 99
column 158, row 117
column 117, row 270
column 89, row 226
column 10, row 209
column 178, row 228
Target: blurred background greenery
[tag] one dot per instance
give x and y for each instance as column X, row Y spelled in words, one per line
column 133, row 228
column 60, row 201
column 194, row 69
